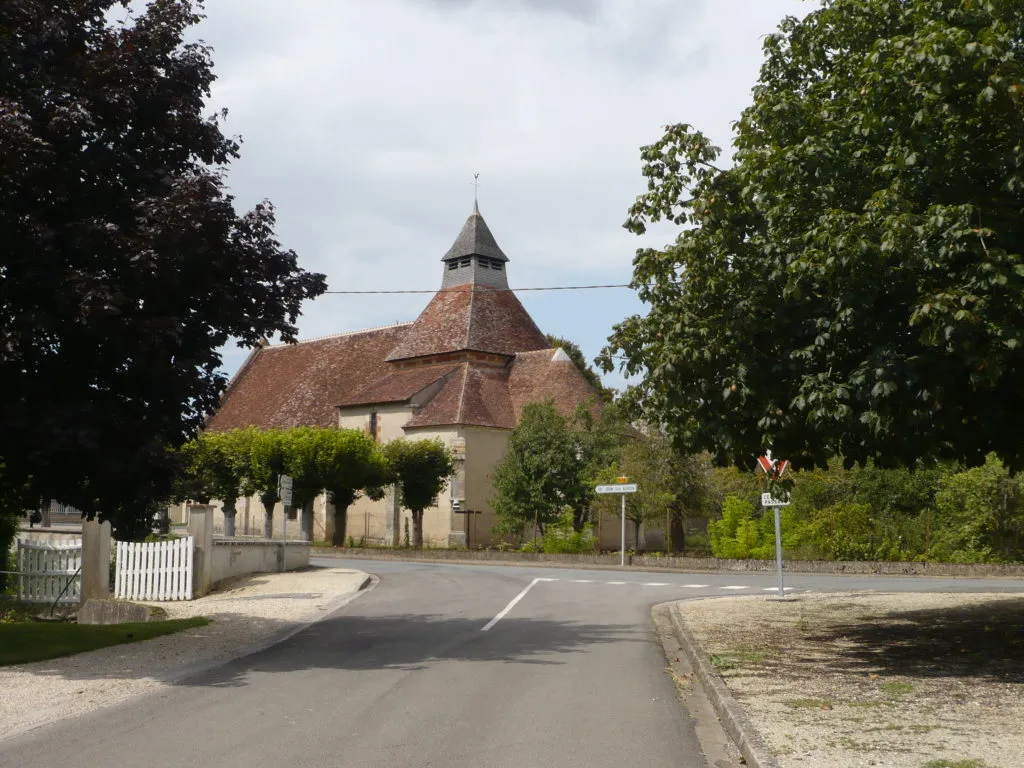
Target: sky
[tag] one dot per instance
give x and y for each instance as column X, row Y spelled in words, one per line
column 365, row 122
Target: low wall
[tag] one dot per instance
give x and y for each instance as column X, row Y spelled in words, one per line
column 667, row 563
column 238, row 557
column 48, row 535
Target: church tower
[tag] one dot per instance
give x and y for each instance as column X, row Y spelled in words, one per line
column 475, row 257
column 475, row 316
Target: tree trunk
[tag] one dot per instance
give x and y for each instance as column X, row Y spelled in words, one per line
column 307, row 520
column 636, row 535
column 342, row 500
column 269, row 501
column 229, row 519
column 417, row 528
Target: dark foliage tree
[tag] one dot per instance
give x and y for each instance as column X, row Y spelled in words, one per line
column 125, row 266
column 854, row 284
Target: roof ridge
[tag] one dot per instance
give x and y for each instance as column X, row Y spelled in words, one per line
column 339, row 335
column 462, row 394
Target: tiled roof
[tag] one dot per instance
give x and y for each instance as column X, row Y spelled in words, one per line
column 537, row 376
column 488, row 396
column 299, row 384
column 471, row 317
column 397, row 386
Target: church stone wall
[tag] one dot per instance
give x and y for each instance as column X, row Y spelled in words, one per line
column 485, row 448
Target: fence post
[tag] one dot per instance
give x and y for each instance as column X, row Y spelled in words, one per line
column 95, row 560
column 200, row 528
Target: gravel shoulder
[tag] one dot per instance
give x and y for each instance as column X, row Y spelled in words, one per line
column 868, row 679
column 246, row 613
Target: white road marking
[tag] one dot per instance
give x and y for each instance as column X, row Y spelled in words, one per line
column 657, row 584
column 694, row 586
column 583, row 581
column 615, row 582
column 776, row 589
column 734, row 586
column 510, row 606
column 542, row 579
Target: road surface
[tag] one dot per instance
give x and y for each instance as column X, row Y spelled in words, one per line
column 440, row 665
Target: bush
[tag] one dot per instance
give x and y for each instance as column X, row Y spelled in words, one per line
column 561, row 537
column 743, row 533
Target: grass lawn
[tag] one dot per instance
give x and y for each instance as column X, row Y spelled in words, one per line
column 23, row 642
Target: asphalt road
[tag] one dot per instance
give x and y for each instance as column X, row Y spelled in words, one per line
column 440, row 665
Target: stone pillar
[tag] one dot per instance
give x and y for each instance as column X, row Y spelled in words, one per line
column 229, row 519
column 200, row 528
column 95, row 560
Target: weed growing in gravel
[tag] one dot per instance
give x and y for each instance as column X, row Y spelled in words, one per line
column 970, row 762
column 897, row 688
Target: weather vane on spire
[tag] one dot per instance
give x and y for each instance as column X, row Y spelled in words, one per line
column 476, row 188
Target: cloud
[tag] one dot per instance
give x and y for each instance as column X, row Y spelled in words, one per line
column 364, row 123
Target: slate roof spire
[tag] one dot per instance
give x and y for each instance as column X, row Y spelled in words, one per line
column 475, row 257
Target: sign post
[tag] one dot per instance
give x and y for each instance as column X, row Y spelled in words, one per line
column 621, row 487
column 284, row 490
column 774, row 469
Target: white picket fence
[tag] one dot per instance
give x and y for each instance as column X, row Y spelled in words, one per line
column 45, row 570
column 158, row 570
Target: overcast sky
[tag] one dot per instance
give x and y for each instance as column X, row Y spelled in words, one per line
column 364, row 123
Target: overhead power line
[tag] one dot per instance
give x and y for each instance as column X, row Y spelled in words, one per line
column 488, row 288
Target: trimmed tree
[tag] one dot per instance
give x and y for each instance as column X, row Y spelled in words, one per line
column 853, row 284
column 421, row 469
column 215, row 466
column 351, row 463
column 126, row 267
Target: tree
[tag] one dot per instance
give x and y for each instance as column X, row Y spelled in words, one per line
column 421, row 469
column 542, row 474
column 351, row 463
column 215, row 466
column 126, row 267
column 572, row 349
column 267, row 456
column 852, row 286
column 670, row 487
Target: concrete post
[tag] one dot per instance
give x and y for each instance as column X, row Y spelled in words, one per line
column 95, row 560
column 200, row 528
column 394, row 515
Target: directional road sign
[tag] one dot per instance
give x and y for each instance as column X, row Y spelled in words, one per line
column 618, row 488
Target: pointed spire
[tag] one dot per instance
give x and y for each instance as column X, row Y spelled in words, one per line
column 475, row 239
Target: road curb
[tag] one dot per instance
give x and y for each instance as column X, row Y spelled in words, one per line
column 753, row 748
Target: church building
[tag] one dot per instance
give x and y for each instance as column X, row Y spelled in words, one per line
column 461, row 372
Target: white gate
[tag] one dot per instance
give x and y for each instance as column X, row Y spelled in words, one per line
column 157, row 570
column 49, row 572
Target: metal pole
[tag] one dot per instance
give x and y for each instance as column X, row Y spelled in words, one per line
column 622, row 553
column 778, row 551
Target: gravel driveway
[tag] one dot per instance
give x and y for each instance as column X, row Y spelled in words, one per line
column 246, row 613
column 866, row 679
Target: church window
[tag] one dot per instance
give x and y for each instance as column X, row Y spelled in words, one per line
column 373, row 425
column 485, row 263
column 496, row 264
column 465, row 262
column 453, row 264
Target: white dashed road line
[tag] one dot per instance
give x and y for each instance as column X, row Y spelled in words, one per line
column 735, row 586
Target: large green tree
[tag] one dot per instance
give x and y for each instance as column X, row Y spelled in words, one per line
column 126, row 267
column 853, row 284
column 543, row 473
column 351, row 463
